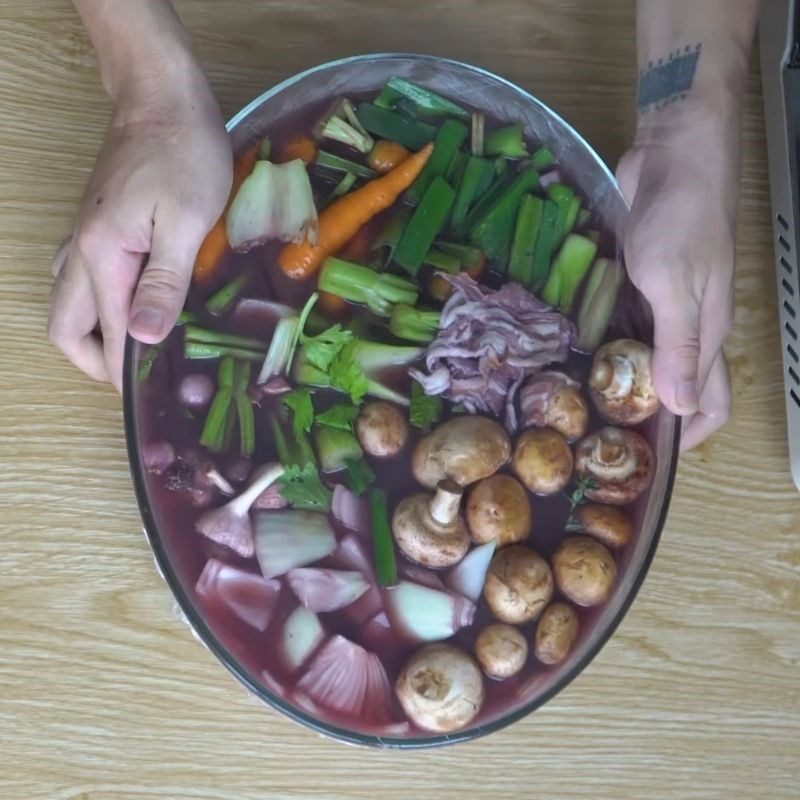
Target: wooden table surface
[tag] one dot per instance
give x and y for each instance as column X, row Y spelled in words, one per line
column 105, row 696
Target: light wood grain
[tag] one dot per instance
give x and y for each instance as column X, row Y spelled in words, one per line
column 104, row 696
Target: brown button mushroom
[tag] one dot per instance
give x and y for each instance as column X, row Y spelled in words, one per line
column 620, row 463
column 621, row 383
column 608, row 524
column 519, row 584
column 498, row 508
column 585, row 570
column 429, row 529
column 501, row 650
column 463, row 449
column 553, row 400
column 556, row 633
column 440, row 688
column 542, row 460
column 382, row 429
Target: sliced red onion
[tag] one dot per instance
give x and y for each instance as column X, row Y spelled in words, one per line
column 377, row 707
column 275, row 386
column 420, row 575
column 349, row 510
column 195, row 391
column 468, row 577
column 426, row 614
column 302, row 634
column 271, row 499
column 326, row 589
column 273, row 684
column 549, row 178
column 158, row 456
column 379, row 636
column 367, row 606
column 249, row 596
column 286, row 540
column 351, row 554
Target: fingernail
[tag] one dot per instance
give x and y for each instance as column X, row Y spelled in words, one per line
column 148, row 321
column 686, row 396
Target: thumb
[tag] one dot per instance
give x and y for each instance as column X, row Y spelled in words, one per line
column 165, row 280
column 629, row 171
column 675, row 359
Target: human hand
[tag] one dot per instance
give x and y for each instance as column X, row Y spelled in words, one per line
column 681, row 180
column 159, row 184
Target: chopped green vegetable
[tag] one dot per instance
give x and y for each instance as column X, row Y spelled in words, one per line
column 569, row 267
column 425, row 411
column 200, row 351
column 186, row 318
column 343, row 187
column 584, row 215
column 346, row 374
column 387, row 98
column 520, row 266
column 335, row 447
column 244, row 408
column 426, row 99
column 382, row 544
column 456, row 168
column 321, row 349
column 339, row 164
column 599, row 301
column 425, row 225
column 375, row 356
column 281, row 348
column 394, row 127
column 379, row 291
column 442, row 261
column 477, row 143
column 359, row 475
column 593, row 235
column 217, row 420
column 391, row 233
column 492, row 232
column 506, row 142
column 469, row 257
column 299, row 401
column 222, row 301
column 545, row 245
column 477, row 178
column 344, row 126
column 447, row 143
column 302, row 488
column 414, row 324
column 500, row 166
column 543, row 158
column 265, row 150
column 147, row 359
column 568, row 207
column 205, row 336
column 340, row 415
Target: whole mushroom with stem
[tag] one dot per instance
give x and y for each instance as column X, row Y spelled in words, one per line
column 619, row 462
column 440, row 688
column 429, row 528
column 554, row 400
column 498, row 509
column 519, row 584
column 621, row 382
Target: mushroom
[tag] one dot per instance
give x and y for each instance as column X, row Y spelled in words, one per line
column 463, row 449
column 619, row 462
column 501, row 650
column 429, row 529
column 229, row 525
column 585, row 570
column 440, row 688
column 554, row 400
column 498, row 508
column 382, row 429
column 519, row 584
column 542, row 460
column 621, row 383
column 556, row 633
column 609, row 524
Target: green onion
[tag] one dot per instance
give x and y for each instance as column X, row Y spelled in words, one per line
column 186, row 317
column 599, row 301
column 335, row 447
column 477, row 178
column 206, row 336
column 542, row 159
column 343, row 187
column 359, row 475
column 506, row 142
column 383, row 546
column 520, row 266
column 244, row 408
column 390, row 125
column 468, row 256
column 379, row 291
column 391, row 233
column 197, row 351
column 281, row 348
column 448, row 141
column 217, row 419
column 545, row 245
column 500, row 166
column 425, row 225
column 221, row 302
column 456, row 168
column 334, row 162
column 387, row 98
column 568, row 270
column 426, row 99
column 584, row 215
column 478, row 133
column 445, row 262
column 343, row 126
column 414, row 324
column 265, row 150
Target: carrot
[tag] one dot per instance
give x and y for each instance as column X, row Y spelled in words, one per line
column 386, row 155
column 331, row 305
column 360, row 246
column 343, row 218
column 216, row 242
column 302, row 147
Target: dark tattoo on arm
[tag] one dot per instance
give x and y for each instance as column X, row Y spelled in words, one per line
column 668, row 79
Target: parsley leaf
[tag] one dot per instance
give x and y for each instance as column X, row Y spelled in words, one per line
column 359, row 475
column 302, row 488
column 577, row 498
column 425, row 410
column 346, row 374
column 300, row 402
column 341, row 416
column 322, row 349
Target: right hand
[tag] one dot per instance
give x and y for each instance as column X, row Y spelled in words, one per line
column 161, row 181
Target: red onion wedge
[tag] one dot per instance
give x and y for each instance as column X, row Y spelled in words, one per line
column 351, row 554
column 326, row 589
column 349, row 510
column 422, row 575
column 426, row 614
column 302, row 634
column 286, row 540
column 249, row 596
column 468, row 577
column 229, row 525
